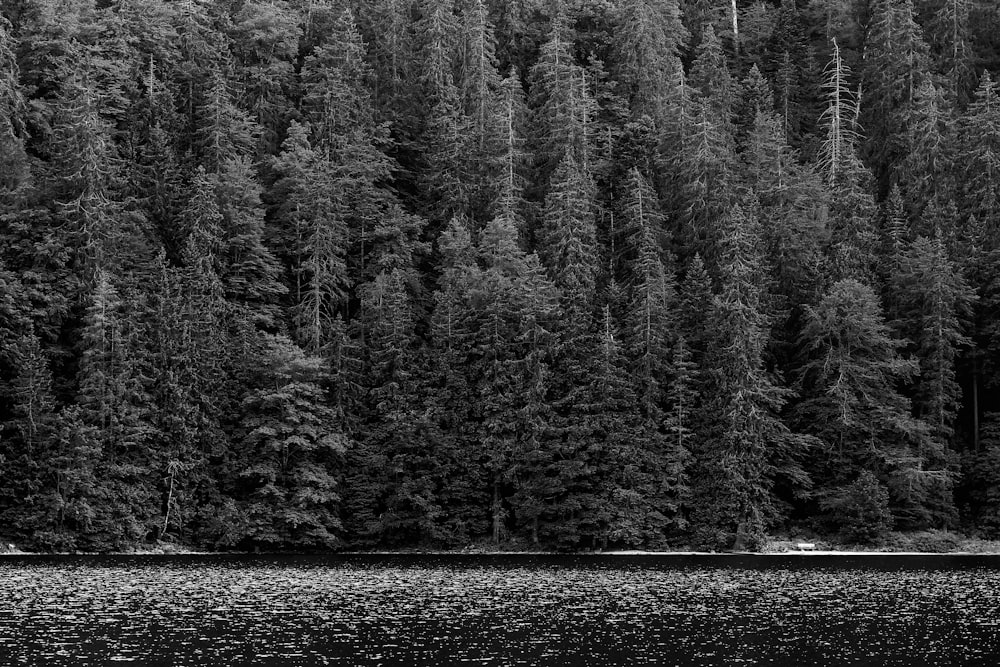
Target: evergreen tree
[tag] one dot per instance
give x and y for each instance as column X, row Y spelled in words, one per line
column 224, row 133
column 561, row 103
column 925, row 171
column 13, row 160
column 895, row 66
column 710, row 76
column 316, row 235
column 852, row 404
column 787, row 63
column 490, row 107
column 249, row 272
column 979, row 157
column 649, row 40
column 933, row 299
column 949, row 32
column 265, row 38
column 650, row 316
column 736, row 462
column 294, row 449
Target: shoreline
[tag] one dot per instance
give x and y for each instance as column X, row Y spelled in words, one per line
column 920, row 543
column 492, row 554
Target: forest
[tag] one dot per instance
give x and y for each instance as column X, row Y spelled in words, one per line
column 556, row 274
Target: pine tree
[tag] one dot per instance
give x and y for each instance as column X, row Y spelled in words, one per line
column 114, row 404
column 13, row 159
column 295, row 447
column 708, row 164
column 265, row 38
column 649, row 40
column 933, row 299
column 561, row 103
column 736, row 463
column 202, row 56
column 895, row 66
column 353, row 147
column 650, row 316
column 852, row 404
column 224, row 133
column 31, row 393
column 88, row 177
column 450, row 397
column 949, row 32
column 249, row 272
column 925, row 170
column 316, row 234
column 388, row 24
column 513, row 338
column 787, row 63
column 710, row 76
column 442, row 140
column 755, row 97
column 694, row 292
column 979, row 158
column 489, row 106
column 568, row 238
column 513, row 156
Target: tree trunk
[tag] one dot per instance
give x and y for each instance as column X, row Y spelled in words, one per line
column 736, row 29
column 170, row 497
column 975, row 406
column 496, row 513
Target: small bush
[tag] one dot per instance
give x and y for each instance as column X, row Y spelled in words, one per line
column 860, row 510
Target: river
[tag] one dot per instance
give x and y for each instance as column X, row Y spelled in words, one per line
column 500, row 610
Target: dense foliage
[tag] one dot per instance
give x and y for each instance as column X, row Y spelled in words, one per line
column 566, row 273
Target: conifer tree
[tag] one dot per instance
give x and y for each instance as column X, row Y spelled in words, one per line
column 650, row 38
column 513, row 155
column 707, row 186
column 895, row 66
column 450, row 381
column 710, row 76
column 650, row 317
column 568, row 238
column 224, row 132
column 694, row 292
column 787, row 63
column 755, row 97
column 265, row 39
column 388, row 24
column 114, row 404
column 925, row 170
column 979, row 157
column 295, row 448
column 249, row 272
column 13, row 160
column 485, row 103
column 852, row 404
column 933, row 299
column 561, row 103
column 317, row 238
column 86, row 182
column 838, row 158
column 949, row 33
column 736, row 461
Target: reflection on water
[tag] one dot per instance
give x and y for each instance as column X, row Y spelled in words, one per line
column 496, row 611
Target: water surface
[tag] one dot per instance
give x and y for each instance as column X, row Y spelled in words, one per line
column 510, row 610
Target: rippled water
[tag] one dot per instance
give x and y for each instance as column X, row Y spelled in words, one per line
column 500, row 611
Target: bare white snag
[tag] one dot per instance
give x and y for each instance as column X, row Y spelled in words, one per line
column 736, row 28
column 840, row 119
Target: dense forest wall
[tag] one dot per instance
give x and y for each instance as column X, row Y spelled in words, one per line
column 567, row 273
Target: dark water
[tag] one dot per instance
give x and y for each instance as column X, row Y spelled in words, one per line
column 463, row 610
